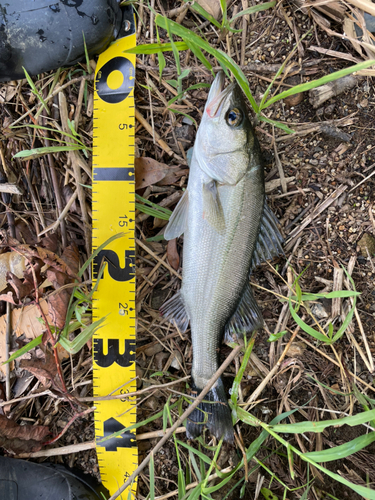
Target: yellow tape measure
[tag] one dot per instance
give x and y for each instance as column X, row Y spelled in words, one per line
column 113, row 212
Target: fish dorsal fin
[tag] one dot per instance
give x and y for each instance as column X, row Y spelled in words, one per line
column 269, row 242
column 177, row 221
column 212, row 208
column 174, row 311
column 246, row 319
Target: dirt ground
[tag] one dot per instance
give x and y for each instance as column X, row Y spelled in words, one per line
column 321, row 166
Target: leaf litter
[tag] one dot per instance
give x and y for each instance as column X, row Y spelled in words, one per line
column 319, row 185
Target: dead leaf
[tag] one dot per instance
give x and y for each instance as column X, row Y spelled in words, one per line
column 71, row 257
column 58, row 302
column 50, row 241
column 45, row 372
column 25, row 321
column 54, row 261
column 21, row 438
column 172, row 254
column 24, row 234
column 26, row 287
column 148, row 172
column 212, row 7
column 174, row 175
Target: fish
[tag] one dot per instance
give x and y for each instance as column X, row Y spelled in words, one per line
column 228, row 229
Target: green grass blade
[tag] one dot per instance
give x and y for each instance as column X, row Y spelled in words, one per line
column 181, row 483
column 199, row 55
column 35, row 90
column 31, row 154
column 192, row 87
column 191, row 38
column 277, row 124
column 239, row 376
column 151, row 211
column 252, row 10
column 194, row 451
column 95, row 253
column 23, row 350
column 202, row 12
column 276, row 336
column 49, row 129
column 154, row 48
column 82, row 338
column 303, row 87
column 306, row 328
column 301, row 427
column 343, row 294
column 342, row 451
column 349, row 316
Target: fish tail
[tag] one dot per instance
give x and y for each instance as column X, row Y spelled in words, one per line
column 213, row 413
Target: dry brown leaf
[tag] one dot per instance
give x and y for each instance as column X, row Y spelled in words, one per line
column 173, row 176
column 21, row 438
column 58, row 303
column 25, row 321
column 148, row 172
column 45, row 372
column 71, row 257
column 212, row 7
column 172, row 254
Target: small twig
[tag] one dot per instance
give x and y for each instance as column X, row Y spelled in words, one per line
column 175, row 426
column 153, row 133
column 89, row 445
column 7, row 350
column 165, row 264
column 132, row 394
column 61, row 217
column 55, row 92
column 60, row 434
column 272, row 372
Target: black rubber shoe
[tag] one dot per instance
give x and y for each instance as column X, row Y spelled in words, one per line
column 42, row 35
column 22, row 480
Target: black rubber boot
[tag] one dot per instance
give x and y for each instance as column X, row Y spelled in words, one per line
column 22, row 480
column 42, row 35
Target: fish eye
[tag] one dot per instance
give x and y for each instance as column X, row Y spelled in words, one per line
column 234, row 117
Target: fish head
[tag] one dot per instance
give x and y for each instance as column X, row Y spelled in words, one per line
column 225, row 140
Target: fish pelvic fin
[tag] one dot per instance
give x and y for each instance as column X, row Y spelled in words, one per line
column 178, row 220
column 246, row 318
column 174, row 311
column 212, row 209
column 269, row 242
column 212, row 413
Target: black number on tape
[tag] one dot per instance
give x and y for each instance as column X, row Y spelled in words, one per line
column 113, row 353
column 125, row 440
column 105, row 92
column 115, row 271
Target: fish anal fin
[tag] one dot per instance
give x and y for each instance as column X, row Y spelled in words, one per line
column 246, row 318
column 177, row 221
column 174, row 311
column 212, row 208
column 269, row 242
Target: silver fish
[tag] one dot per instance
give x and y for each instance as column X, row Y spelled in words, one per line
column 228, row 229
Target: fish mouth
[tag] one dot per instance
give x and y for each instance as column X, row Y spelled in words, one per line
column 217, row 95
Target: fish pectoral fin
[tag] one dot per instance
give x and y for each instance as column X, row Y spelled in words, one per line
column 177, row 221
column 246, row 319
column 212, row 208
column 174, row 311
column 269, row 242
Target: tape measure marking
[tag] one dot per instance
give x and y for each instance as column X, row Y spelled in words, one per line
column 113, row 212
